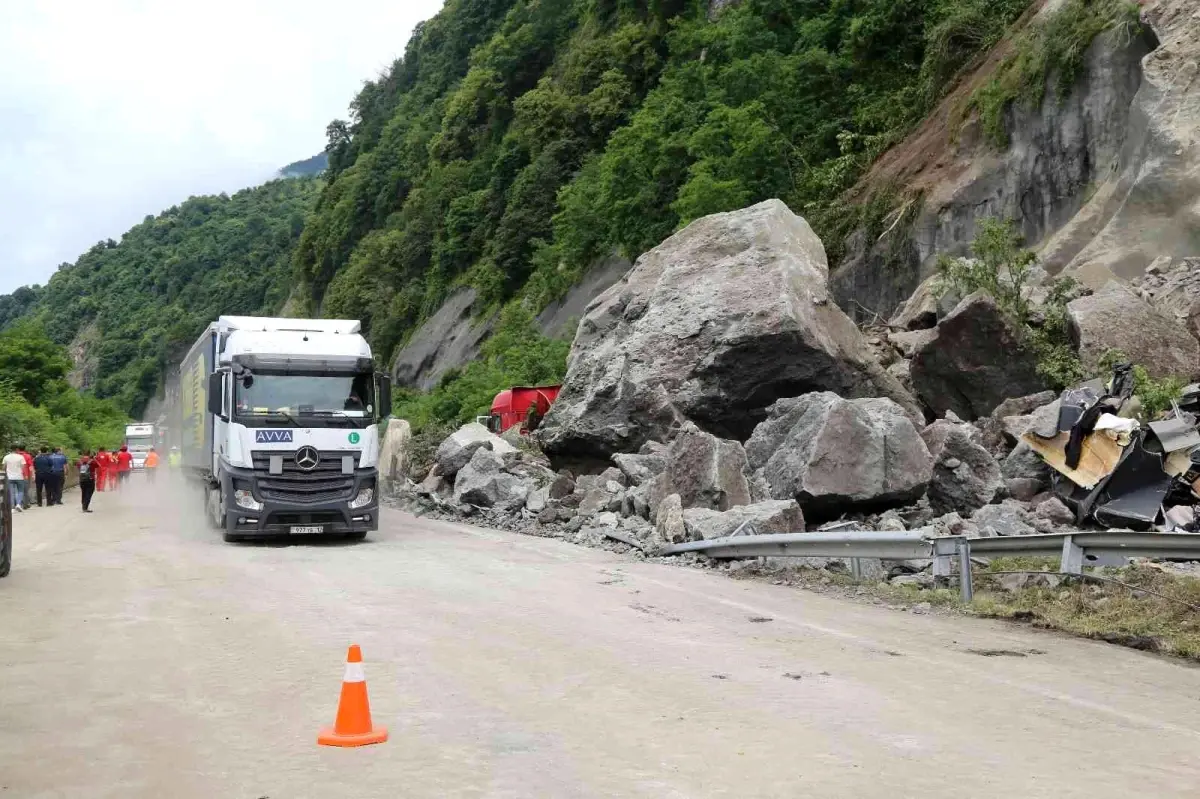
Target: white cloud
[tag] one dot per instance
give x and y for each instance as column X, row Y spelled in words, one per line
column 114, row 109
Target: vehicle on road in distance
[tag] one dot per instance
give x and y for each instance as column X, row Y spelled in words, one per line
column 520, row 405
column 277, row 424
column 140, row 438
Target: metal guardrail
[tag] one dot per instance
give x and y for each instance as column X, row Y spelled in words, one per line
column 1075, row 550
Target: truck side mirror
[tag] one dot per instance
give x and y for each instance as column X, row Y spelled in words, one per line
column 385, row 395
column 216, row 394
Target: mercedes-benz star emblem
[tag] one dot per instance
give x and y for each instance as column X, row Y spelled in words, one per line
column 307, row 458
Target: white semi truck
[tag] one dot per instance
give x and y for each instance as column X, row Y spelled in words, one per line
column 140, row 438
column 277, row 423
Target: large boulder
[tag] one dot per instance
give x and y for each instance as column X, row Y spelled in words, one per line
column 978, row 359
column 965, row 475
column 715, row 324
column 645, row 465
column 1174, row 288
column 834, row 454
column 393, row 453
column 457, row 450
column 1006, row 519
column 484, row 482
column 772, row 516
column 1115, row 318
column 705, row 471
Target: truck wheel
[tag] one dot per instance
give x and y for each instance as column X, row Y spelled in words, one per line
column 5, row 553
column 213, row 510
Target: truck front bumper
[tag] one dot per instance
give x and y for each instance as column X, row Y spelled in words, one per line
column 276, row 518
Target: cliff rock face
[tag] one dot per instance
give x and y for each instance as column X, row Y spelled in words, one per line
column 713, row 326
column 1114, row 158
column 1149, row 204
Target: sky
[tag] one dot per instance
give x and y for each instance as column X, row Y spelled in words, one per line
column 112, row 110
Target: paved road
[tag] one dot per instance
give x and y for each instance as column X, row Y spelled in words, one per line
column 141, row 656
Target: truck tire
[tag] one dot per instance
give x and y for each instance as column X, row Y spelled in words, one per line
column 5, row 552
column 212, row 505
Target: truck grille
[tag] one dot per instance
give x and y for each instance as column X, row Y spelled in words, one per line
column 325, row 483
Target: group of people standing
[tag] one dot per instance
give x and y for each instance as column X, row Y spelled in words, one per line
column 47, row 471
column 104, row 471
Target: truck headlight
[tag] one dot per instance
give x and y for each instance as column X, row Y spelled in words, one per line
column 245, row 499
column 364, row 498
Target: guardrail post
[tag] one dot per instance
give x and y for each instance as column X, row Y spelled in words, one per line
column 944, row 550
column 1072, row 557
column 965, row 584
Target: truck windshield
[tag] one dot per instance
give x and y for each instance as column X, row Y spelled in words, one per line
column 334, row 396
column 139, row 443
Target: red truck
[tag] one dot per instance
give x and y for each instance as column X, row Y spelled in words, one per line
column 521, row 405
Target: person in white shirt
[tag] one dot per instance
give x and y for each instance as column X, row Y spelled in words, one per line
column 14, row 468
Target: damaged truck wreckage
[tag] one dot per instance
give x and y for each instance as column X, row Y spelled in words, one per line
column 718, row 401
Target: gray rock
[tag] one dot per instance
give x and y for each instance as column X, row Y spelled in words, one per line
column 907, row 343
column 576, row 524
column 901, row 370
column 1023, row 489
column 772, row 516
column 563, row 485
column 965, row 475
column 919, row 580
column 484, row 482
column 393, row 454
column 548, row 516
column 594, row 501
column 669, row 524
column 1055, row 512
column 433, row 484
column 713, row 325
column 636, row 502
column 705, row 471
column 977, row 360
column 1174, row 288
column 1115, row 318
column 613, row 475
column 638, row 468
column 931, row 301
column 1006, row 519
column 834, row 455
column 1025, row 464
column 1020, row 406
column 457, row 450
column 536, row 501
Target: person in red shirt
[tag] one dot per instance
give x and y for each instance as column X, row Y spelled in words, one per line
column 124, row 465
column 100, row 467
column 24, row 453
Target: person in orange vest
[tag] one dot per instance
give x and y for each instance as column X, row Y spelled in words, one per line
column 151, row 464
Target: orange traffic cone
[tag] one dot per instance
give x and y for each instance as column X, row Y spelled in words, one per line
column 353, row 725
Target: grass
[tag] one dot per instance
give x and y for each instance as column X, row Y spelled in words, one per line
column 1107, row 611
column 1134, row 617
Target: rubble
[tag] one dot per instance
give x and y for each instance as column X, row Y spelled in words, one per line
column 976, row 360
column 713, row 325
column 1115, row 318
column 1008, row 518
column 1173, row 287
column 833, row 454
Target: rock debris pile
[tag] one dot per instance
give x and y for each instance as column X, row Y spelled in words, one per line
column 717, row 390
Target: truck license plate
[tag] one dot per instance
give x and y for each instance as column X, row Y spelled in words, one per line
column 308, row 530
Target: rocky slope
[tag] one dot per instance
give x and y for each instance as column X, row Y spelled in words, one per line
column 1103, row 177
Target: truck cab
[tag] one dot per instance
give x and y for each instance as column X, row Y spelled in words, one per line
column 293, row 406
